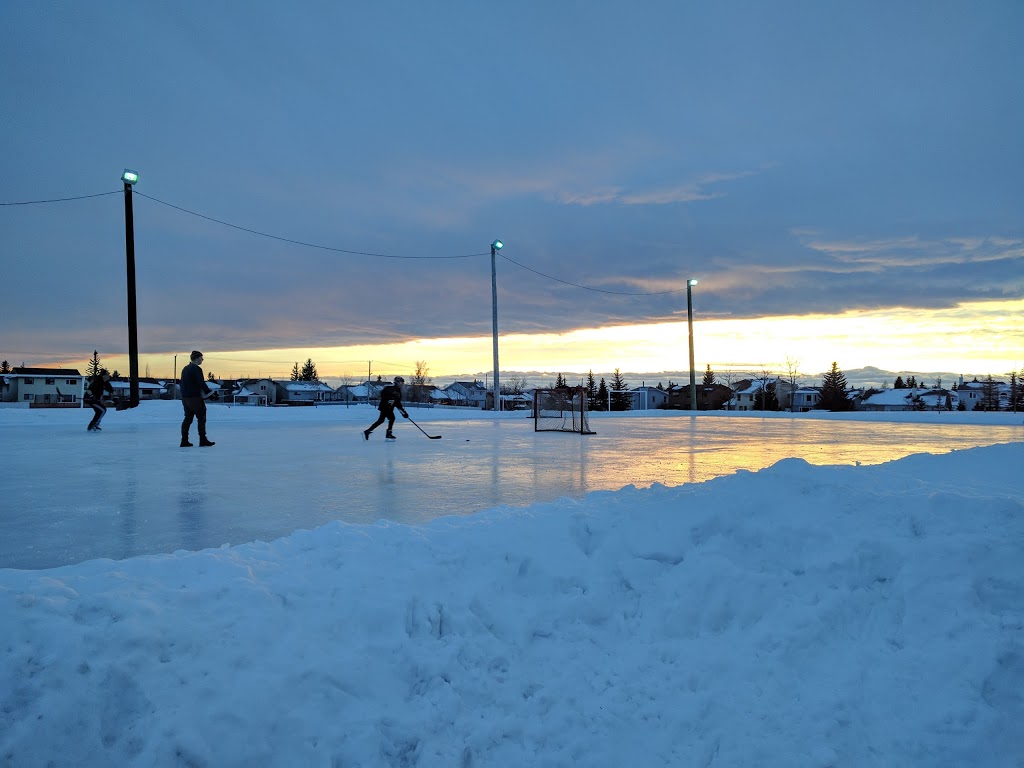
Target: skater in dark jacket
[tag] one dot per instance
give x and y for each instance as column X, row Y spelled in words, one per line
column 99, row 384
column 194, row 392
column 390, row 399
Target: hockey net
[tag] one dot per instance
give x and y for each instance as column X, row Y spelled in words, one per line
column 561, row 410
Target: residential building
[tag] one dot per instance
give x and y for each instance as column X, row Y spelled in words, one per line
column 304, row 392
column 644, row 398
column 710, row 397
column 41, row 387
column 469, row 393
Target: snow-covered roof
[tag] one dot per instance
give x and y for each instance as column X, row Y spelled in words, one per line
column 119, row 384
column 895, row 396
column 307, row 386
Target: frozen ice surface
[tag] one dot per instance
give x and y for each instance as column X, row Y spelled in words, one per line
column 799, row 616
column 71, row 496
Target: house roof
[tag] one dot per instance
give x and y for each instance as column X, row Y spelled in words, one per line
column 896, row 396
column 44, row 372
column 125, row 384
column 306, row 386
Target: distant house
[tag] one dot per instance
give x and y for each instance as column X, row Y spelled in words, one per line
column 257, row 391
column 710, row 397
column 910, row 399
column 149, row 389
column 803, row 398
column 245, row 396
column 44, row 387
column 304, row 392
column 645, row 398
column 360, row 393
column 469, row 393
column 419, row 394
column 745, row 395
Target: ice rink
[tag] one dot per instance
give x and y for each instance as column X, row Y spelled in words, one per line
column 70, row 496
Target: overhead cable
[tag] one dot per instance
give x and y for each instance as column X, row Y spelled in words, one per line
column 63, row 199
column 300, row 242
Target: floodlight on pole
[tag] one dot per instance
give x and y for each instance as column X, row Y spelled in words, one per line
column 689, row 317
column 496, row 246
column 129, row 178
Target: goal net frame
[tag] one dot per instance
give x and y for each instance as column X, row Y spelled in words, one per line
column 561, row 409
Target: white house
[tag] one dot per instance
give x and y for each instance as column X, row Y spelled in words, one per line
column 646, row 398
column 245, row 396
column 910, row 399
column 149, row 389
column 44, row 386
column 305, row 391
column 471, row 393
column 263, row 391
column 745, row 397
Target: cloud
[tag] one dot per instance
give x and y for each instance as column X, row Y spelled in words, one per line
column 687, row 192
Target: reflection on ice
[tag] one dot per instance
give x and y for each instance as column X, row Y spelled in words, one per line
column 134, row 491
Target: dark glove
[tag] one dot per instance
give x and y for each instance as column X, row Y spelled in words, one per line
column 405, row 415
column 215, row 396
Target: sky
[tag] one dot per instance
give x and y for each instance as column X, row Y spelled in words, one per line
column 799, row 615
column 843, row 181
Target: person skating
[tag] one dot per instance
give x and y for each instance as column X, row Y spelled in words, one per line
column 194, row 392
column 390, row 399
column 99, row 384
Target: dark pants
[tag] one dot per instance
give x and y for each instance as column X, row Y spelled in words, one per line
column 99, row 409
column 194, row 407
column 389, row 414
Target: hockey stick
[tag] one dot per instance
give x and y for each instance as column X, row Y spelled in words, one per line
column 432, row 437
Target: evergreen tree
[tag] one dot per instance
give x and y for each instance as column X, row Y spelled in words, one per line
column 911, row 383
column 1017, row 391
column 602, row 396
column 560, row 382
column 94, row 366
column 309, row 371
column 115, row 375
column 709, row 377
column 898, row 384
column 834, row 395
column 591, row 387
column 990, row 394
column 295, row 373
column 620, row 399
column 5, row 367
column 211, row 376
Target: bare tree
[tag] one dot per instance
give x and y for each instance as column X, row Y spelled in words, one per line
column 792, row 373
column 422, row 374
column 513, row 385
column 727, row 379
column 420, row 379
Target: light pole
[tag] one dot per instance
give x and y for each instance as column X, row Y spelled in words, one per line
column 496, row 246
column 689, row 317
column 129, row 178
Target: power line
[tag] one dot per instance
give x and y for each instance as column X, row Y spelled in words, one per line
column 63, row 199
column 344, row 250
column 300, row 242
column 587, row 287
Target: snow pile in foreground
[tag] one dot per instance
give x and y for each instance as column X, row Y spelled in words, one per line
column 797, row 616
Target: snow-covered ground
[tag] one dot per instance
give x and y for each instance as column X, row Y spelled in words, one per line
column 797, row 615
